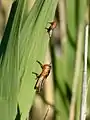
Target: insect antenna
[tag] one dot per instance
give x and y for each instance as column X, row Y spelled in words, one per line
column 40, row 63
column 37, row 76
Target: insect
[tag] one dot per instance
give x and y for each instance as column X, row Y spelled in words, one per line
column 52, row 26
column 42, row 76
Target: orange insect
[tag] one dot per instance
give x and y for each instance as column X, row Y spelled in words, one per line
column 52, row 26
column 42, row 77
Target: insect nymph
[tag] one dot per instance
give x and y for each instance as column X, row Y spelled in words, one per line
column 52, row 26
column 42, row 76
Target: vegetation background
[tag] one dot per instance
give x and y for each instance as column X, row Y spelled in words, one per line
column 24, row 40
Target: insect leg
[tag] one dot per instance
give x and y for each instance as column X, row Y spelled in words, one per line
column 40, row 64
column 37, row 87
column 48, row 29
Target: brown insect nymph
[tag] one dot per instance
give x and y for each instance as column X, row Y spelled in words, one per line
column 52, row 26
column 42, row 76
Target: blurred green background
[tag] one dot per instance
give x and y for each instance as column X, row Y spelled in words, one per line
column 24, row 40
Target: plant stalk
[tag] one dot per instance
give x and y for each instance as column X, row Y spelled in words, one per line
column 84, row 82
